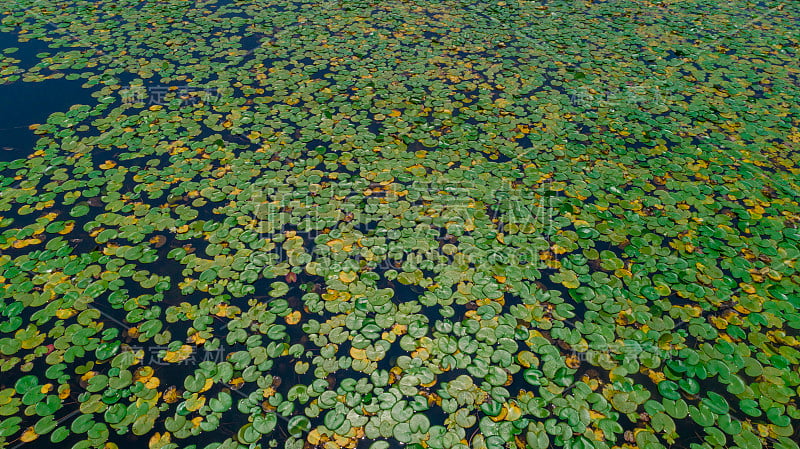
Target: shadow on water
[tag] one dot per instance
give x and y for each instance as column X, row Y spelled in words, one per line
column 25, row 103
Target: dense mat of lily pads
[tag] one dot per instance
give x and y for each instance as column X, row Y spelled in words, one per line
column 433, row 224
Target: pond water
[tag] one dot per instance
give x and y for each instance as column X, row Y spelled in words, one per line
column 25, row 104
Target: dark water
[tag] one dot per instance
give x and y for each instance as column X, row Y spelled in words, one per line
column 25, row 103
